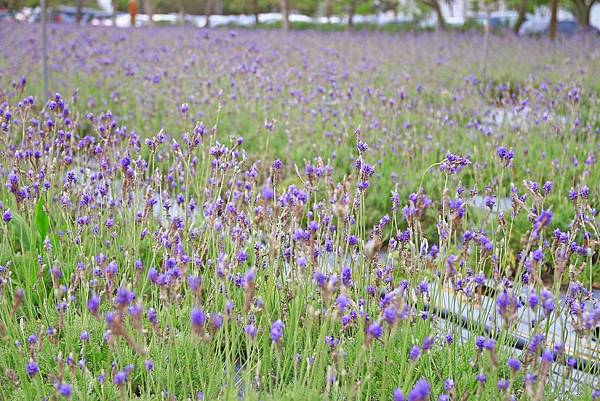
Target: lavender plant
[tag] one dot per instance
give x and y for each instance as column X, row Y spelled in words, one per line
column 219, row 215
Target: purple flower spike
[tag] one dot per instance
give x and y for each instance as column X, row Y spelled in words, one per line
column 32, row 368
column 64, row 390
column 197, row 318
column 276, row 331
column 398, row 395
column 514, row 364
column 420, row 391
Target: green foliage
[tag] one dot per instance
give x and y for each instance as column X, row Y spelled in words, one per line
column 20, row 233
column 41, row 220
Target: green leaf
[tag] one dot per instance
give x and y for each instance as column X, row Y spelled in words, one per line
column 41, row 221
column 20, row 234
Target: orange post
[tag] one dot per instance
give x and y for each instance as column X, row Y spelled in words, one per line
column 133, row 9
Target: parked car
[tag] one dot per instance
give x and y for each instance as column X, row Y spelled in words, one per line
column 534, row 26
column 541, row 26
column 497, row 20
column 68, row 14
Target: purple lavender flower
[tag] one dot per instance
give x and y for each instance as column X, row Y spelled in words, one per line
column 507, row 305
column 547, row 356
column 503, row 384
column 120, row 378
column 448, row 384
column 572, row 195
column 414, row 353
column 276, row 332
column 420, row 391
column 7, row 216
column 514, row 364
column 64, row 390
column 428, row 343
column 194, row 282
column 197, row 318
column 505, row 155
column 32, row 368
column 584, row 192
column 453, row 164
column 250, row 331
column 375, row 330
column 533, row 300
column 398, row 395
column 342, row 303
column 93, row 304
column 152, row 315
column 124, row 296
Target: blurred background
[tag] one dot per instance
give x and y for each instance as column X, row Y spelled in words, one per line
column 522, row 17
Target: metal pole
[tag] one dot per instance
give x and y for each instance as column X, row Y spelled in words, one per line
column 486, row 38
column 45, row 48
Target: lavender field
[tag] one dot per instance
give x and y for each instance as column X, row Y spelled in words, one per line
column 209, row 214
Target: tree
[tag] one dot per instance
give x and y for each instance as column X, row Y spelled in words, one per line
column 354, row 8
column 255, row 11
column 582, row 10
column 524, row 7
column 79, row 13
column 329, row 10
column 208, row 13
column 148, row 9
column 351, row 11
column 181, row 11
column 554, row 19
column 389, row 5
column 285, row 14
column 522, row 14
column 436, row 7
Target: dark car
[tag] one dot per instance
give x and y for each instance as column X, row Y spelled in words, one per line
column 6, row 16
column 564, row 28
column 67, row 14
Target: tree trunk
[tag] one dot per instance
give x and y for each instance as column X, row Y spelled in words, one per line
column 114, row 12
column 256, row 11
column 329, row 10
column 554, row 19
column 582, row 11
column 440, row 17
column 521, row 17
column 588, row 14
column 351, row 11
column 12, row 6
column 285, row 14
column 148, row 10
column 208, row 13
column 79, row 14
column 181, row 12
